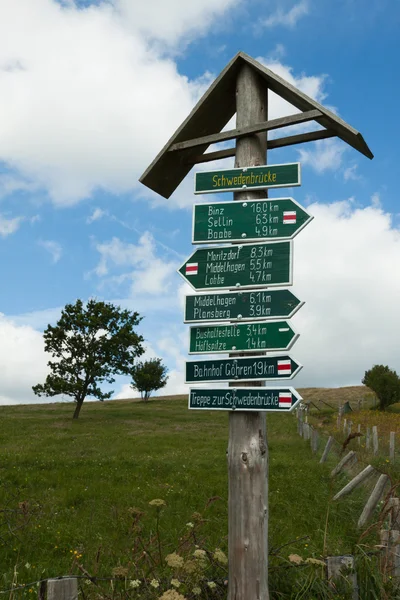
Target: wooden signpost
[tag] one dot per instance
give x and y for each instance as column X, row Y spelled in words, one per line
column 242, row 88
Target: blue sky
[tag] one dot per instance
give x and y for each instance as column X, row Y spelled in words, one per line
column 91, row 91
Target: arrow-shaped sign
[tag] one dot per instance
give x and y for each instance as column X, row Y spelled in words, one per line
column 242, row 369
column 248, row 220
column 250, row 265
column 242, row 337
column 274, row 399
column 232, row 306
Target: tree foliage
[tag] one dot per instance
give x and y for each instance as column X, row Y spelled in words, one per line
column 89, row 345
column 148, row 376
column 385, row 383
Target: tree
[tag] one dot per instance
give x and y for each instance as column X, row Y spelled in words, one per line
column 89, row 344
column 148, row 376
column 385, row 383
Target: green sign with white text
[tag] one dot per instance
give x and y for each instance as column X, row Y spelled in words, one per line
column 232, row 306
column 255, row 178
column 248, row 265
column 242, row 337
column 242, row 369
column 248, row 220
column 279, row 399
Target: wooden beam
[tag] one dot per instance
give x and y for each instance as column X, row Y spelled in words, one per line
column 301, row 138
column 312, row 136
column 239, row 132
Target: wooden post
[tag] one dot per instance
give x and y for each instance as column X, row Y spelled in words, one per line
column 344, row 425
column 62, row 589
column 390, row 563
column 394, row 512
column 327, row 449
column 335, row 565
column 346, row 461
column 314, row 440
column 368, row 439
column 375, row 439
column 359, row 431
column 392, row 440
column 247, row 449
column 349, row 424
column 362, row 476
column 373, row 500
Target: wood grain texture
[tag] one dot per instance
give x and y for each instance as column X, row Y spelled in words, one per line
column 62, row 589
column 247, row 448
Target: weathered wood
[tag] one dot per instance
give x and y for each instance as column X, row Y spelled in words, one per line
column 368, row 439
column 248, row 449
column 390, row 558
column 344, row 425
column 62, row 589
column 214, row 110
column 392, row 443
column 335, row 567
column 393, row 507
column 209, row 156
column 362, row 476
column 314, row 440
column 306, row 431
column 346, row 461
column 327, row 449
column 375, row 442
column 349, row 424
column 373, row 500
column 240, row 132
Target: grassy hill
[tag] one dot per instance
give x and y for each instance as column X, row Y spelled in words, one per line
column 74, row 495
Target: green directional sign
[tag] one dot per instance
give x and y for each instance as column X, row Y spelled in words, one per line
column 242, row 369
column 271, row 399
column 242, row 337
column 255, row 178
column 250, row 220
column 237, row 306
column 248, row 265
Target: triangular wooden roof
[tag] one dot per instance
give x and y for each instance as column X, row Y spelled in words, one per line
column 213, row 111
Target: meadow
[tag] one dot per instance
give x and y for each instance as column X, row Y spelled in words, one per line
column 76, row 498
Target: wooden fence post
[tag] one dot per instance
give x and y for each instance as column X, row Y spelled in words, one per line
column 392, row 441
column 375, row 439
column 327, row 449
column 344, row 425
column 355, row 482
column 62, row 589
column 314, row 440
column 373, row 500
column 368, row 439
column 335, row 565
column 346, row 461
column 390, row 562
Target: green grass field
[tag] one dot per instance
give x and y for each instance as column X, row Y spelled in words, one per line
column 71, row 492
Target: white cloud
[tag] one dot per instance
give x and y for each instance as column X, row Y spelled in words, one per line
column 147, row 273
column 350, row 173
column 93, row 118
column 325, row 155
column 288, row 18
column 53, row 248
column 97, row 214
column 22, row 362
column 9, row 226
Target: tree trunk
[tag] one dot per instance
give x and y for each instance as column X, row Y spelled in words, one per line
column 78, row 407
